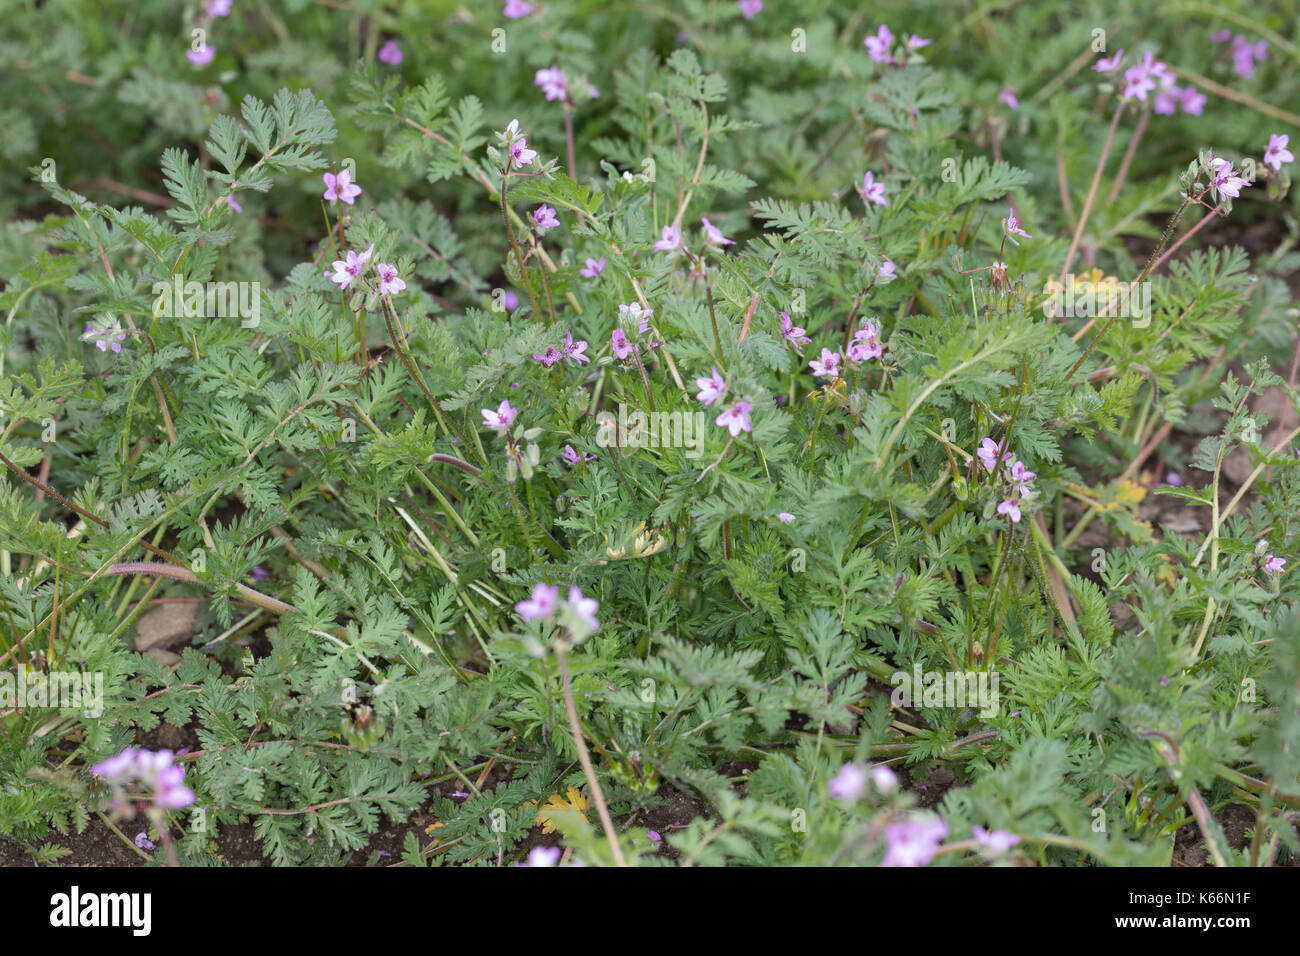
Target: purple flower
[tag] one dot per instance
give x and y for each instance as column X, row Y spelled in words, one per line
column 915, row 42
column 1174, row 479
column 593, row 268
column 884, row 778
column 633, row 312
column 1220, row 36
column 849, row 783
column 340, row 188
column 1277, row 153
column 749, row 8
column 1225, row 181
column 574, row 458
column 544, row 217
column 1012, row 227
column 622, row 347
column 988, row 453
column 259, row 573
column 1008, row 96
column 575, row 350
column 915, row 842
column 997, row 842
column 218, row 8
column 713, row 235
column 654, row 834
column 501, row 419
column 878, row 45
column 672, row 239
column 143, row 842
column 1193, row 100
column 711, row 388
column 550, row 357
column 864, row 346
column 510, row 300
column 543, row 856
column 1273, row 564
column 389, row 53
column 1245, row 54
column 230, row 201
column 886, row 270
column 873, row 191
column 202, row 56
column 1010, row 508
column 154, row 771
column 581, row 611
column 107, row 335
column 520, row 154
column 517, row 9
column 551, row 81
column 541, row 606
column 785, row 517
column 347, row 270
column 828, row 366
column 1105, row 65
column 794, row 334
column 389, row 283
column 1022, row 476
column 736, row 419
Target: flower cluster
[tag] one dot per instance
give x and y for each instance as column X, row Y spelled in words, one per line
column 107, row 335
column 354, row 267
column 567, row 349
column 735, row 418
column 991, row 455
column 632, row 314
column 1245, row 54
column 517, row 145
column 154, row 772
column 880, row 46
column 577, row 613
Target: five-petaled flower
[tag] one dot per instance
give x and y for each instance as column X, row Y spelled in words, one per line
column 348, row 270
column 1273, row 564
column 827, row 366
column 389, row 283
column 878, row 45
column 1277, row 153
column 873, row 191
column 501, row 419
column 711, row 388
column 735, row 419
column 1224, row 181
column 541, row 606
column 341, row 188
column 622, row 347
column 544, row 217
column 1010, row 508
column 794, row 334
column 672, row 239
column 593, row 268
column 988, row 453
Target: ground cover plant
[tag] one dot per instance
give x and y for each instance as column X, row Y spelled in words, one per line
column 711, row 433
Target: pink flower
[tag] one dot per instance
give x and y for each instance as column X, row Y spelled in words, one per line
column 1105, row 65
column 988, row 453
column 1193, row 100
column 873, row 191
column 1010, row 508
column 1008, row 96
column 1245, row 54
column 864, row 346
column 349, row 269
column 575, row 350
column 551, row 81
column 633, row 312
column 1274, row 564
column 1225, row 181
column 1220, row 36
column 517, row 9
column 108, row 335
column 785, row 517
column 1012, row 226
column 541, row 606
column 915, row 42
column 574, row 458
column 914, row 842
column 230, row 201
column 622, row 347
column 389, row 53
column 340, row 188
column 501, row 419
column 997, row 842
column 580, row 613
column 736, row 419
column 540, row 856
column 794, row 334
column 544, row 218
column 849, row 783
column 593, row 268
column 1167, row 101
column 389, row 283
column 878, row 45
column 828, row 366
column 520, row 154
column 672, row 239
column 886, row 270
column 1277, row 153
column 713, row 235
column 1022, row 476
column 218, row 8
column 154, row 771
column 202, row 56
column 749, row 8
column 884, row 778
column 550, row 357
column 711, row 388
